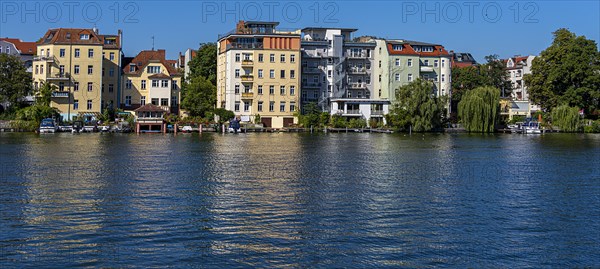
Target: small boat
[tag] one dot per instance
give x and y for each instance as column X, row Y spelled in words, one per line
column 48, row 126
column 532, row 127
column 187, row 129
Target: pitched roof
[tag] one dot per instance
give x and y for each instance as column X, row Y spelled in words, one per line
column 408, row 49
column 71, row 36
column 144, row 58
column 27, row 48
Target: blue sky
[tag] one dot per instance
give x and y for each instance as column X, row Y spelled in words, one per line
column 505, row 28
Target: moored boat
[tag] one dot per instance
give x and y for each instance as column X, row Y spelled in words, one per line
column 48, row 126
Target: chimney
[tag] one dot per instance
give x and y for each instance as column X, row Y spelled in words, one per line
column 95, row 30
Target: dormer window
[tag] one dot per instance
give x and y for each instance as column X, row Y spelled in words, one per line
column 68, row 36
column 397, row 47
column 84, row 36
column 153, row 69
column 132, row 68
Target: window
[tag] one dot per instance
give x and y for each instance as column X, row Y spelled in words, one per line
column 84, row 36
column 128, row 100
column 397, row 47
column 282, row 58
column 164, row 101
column 237, row 73
column 397, row 62
column 272, row 58
column 237, row 106
column 41, row 69
column 132, row 68
column 292, row 58
column 61, row 86
column 282, row 74
column 379, row 64
column 103, row 73
column 271, row 73
column 112, row 56
column 153, row 69
column 261, row 57
column 272, row 106
column 292, row 90
column 75, row 104
column 292, row 73
column 282, row 90
column 102, row 89
column 282, row 106
column 128, row 84
column 90, row 87
column 143, row 100
column 77, row 53
column 61, row 70
column 260, row 89
column 90, row 53
column 246, row 106
column 154, row 83
column 237, row 57
column 37, row 67
column 89, row 104
column 164, row 83
column 271, row 90
column 111, row 72
column 90, row 69
column 260, row 106
column 155, row 101
column 174, row 85
column 397, row 77
column 76, row 86
column 436, row 63
column 315, row 79
column 61, row 53
column 368, row 80
column 260, row 73
column 111, row 87
column 292, row 106
column 410, row 77
column 76, row 69
column 443, row 77
column 237, row 89
column 426, row 62
column 409, row 62
column 368, row 66
column 443, row 63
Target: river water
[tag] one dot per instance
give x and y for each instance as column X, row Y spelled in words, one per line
column 299, row 200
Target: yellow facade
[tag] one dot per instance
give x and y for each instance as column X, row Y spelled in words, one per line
column 111, row 77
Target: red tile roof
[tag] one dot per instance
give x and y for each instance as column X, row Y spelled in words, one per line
column 70, row 36
column 147, row 56
column 407, row 49
column 27, row 48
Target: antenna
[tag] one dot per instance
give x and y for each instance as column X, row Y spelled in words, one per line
column 153, row 43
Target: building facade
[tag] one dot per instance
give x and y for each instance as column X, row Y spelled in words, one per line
column 462, row 59
column 258, row 73
column 23, row 50
column 520, row 105
column 149, row 78
column 75, row 63
column 337, row 74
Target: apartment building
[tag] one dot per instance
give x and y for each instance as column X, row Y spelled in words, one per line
column 517, row 67
column 462, row 59
column 337, row 73
column 19, row 48
column 258, row 73
column 399, row 62
column 149, row 78
column 75, row 61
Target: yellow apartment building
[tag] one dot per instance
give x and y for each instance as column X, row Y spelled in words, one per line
column 258, row 73
column 149, row 78
column 72, row 60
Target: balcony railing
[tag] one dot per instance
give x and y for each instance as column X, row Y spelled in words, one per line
column 247, row 78
column 245, row 46
column 311, row 85
column 377, row 112
column 43, row 58
column 61, row 94
column 357, row 70
column 426, row 68
column 247, row 95
column 59, row 76
column 247, row 63
column 312, row 70
column 353, row 112
column 357, row 85
column 356, row 55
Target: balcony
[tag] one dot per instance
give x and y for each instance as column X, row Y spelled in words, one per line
column 311, row 70
column 247, row 63
column 426, row 68
column 61, row 94
column 247, row 95
column 244, row 46
column 59, row 76
column 358, row 71
column 357, row 56
column 48, row 59
column 376, row 112
column 312, row 85
column 247, row 78
column 353, row 112
column 357, row 85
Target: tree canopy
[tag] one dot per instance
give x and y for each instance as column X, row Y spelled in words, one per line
column 205, row 63
column 478, row 110
column 199, row 96
column 417, row 107
column 567, row 72
column 15, row 81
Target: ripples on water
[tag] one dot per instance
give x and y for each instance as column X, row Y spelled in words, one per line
column 299, row 200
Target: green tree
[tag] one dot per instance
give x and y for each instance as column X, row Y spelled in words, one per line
column 465, row 79
column 224, row 114
column 566, row 118
column 495, row 75
column 478, row 110
column 311, row 115
column 15, row 82
column 417, row 106
column 44, row 94
column 205, row 63
column 567, row 72
column 199, row 96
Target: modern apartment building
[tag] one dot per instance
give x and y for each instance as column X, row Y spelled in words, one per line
column 258, row 73
column 149, row 78
column 78, row 63
column 399, row 62
column 337, row 73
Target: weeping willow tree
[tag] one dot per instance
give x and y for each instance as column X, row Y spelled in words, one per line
column 478, row 109
column 566, row 118
column 417, row 108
